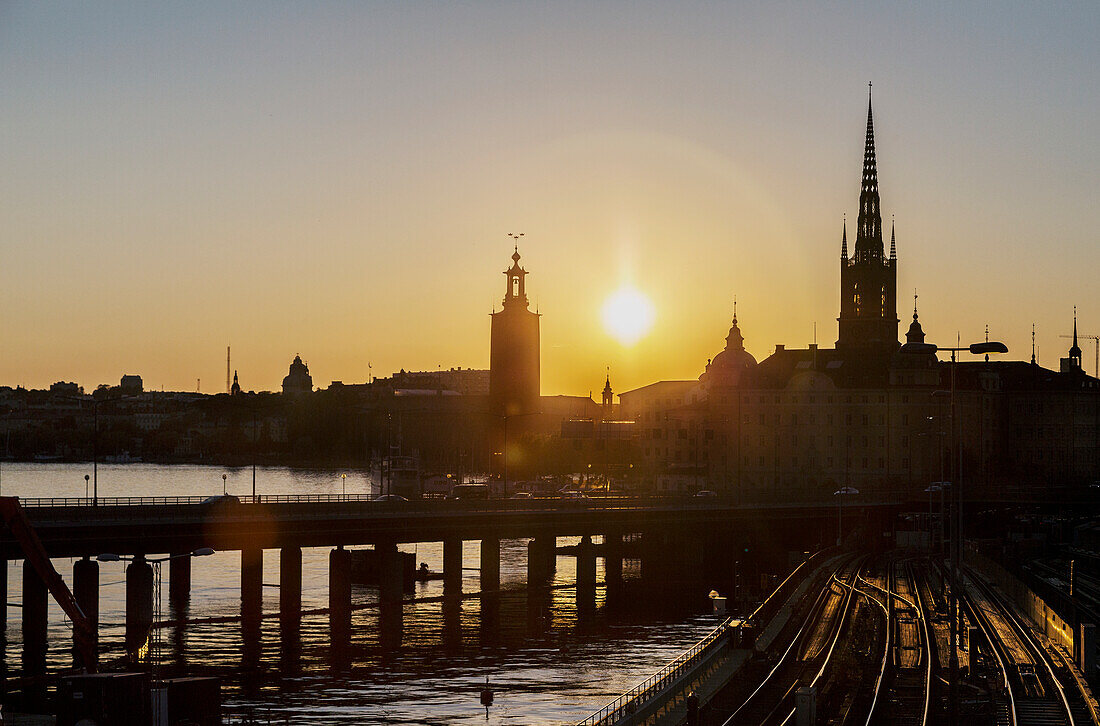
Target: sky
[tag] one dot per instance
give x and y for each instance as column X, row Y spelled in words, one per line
column 338, row 180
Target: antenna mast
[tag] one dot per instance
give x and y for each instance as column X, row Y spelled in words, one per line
column 227, row 384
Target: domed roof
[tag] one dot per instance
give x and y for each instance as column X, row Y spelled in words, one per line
column 726, row 367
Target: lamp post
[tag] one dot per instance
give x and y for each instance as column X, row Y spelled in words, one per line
column 95, row 440
column 937, row 486
column 840, row 494
column 86, row 478
column 224, row 492
column 344, row 485
column 984, row 347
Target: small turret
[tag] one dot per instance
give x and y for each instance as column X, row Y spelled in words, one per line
column 916, row 333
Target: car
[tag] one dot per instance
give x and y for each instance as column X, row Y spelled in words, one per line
column 391, row 498
column 220, row 500
column 573, row 495
column 521, row 495
column 706, row 493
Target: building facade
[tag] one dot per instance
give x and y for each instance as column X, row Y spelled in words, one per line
column 870, row 413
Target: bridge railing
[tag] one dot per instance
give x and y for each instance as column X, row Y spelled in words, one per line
column 493, row 503
column 653, row 687
column 630, row 702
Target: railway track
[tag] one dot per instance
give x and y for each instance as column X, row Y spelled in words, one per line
column 909, row 671
column 810, row 647
column 1032, row 675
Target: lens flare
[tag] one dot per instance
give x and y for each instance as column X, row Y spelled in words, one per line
column 627, row 315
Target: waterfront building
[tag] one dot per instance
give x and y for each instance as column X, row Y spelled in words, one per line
column 868, row 413
column 298, row 380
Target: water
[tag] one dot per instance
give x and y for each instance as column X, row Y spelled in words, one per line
column 549, row 669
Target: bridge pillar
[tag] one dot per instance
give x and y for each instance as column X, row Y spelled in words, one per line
column 139, row 605
column 490, row 564
column 35, row 604
column 339, row 596
column 586, row 563
column 3, row 604
column 179, row 580
column 541, row 560
column 290, row 587
column 252, row 584
column 452, row 566
column 613, row 563
column 86, row 592
column 391, row 592
column 586, row 576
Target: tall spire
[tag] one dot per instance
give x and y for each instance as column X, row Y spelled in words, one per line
column 844, row 240
column 1075, row 351
column 893, row 244
column 1033, row 344
column 869, row 224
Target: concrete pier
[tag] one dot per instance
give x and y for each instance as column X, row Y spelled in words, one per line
column 586, row 576
column 3, row 602
column 490, row 564
column 339, row 595
column 452, row 566
column 252, row 584
column 86, row 592
column 613, row 564
column 541, row 560
column 35, row 603
column 179, row 580
column 290, row 587
column 139, row 605
column 586, row 564
column 391, row 593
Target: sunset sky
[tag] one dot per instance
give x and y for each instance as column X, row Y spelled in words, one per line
column 338, row 180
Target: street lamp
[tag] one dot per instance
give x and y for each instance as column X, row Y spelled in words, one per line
column 344, row 484
column 95, row 438
column 86, row 478
column 985, row 347
column 840, row 494
column 223, row 485
column 936, row 486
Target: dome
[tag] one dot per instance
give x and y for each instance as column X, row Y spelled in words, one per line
column 726, row 367
column 298, row 379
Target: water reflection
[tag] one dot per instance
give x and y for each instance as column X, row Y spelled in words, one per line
column 550, row 659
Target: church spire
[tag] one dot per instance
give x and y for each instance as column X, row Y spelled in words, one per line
column 1075, row 351
column 869, row 224
column 893, row 244
column 844, row 240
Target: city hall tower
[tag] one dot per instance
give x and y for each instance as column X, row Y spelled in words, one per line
column 514, row 387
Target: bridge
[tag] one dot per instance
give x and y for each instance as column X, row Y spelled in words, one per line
column 673, row 537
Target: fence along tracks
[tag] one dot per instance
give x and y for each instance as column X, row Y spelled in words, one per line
column 805, row 659
column 1033, row 685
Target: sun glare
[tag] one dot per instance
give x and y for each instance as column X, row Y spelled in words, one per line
column 627, row 315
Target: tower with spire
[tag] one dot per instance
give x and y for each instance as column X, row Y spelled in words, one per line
column 868, row 279
column 514, row 384
column 1073, row 361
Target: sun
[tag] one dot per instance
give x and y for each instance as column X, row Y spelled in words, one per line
column 627, row 315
